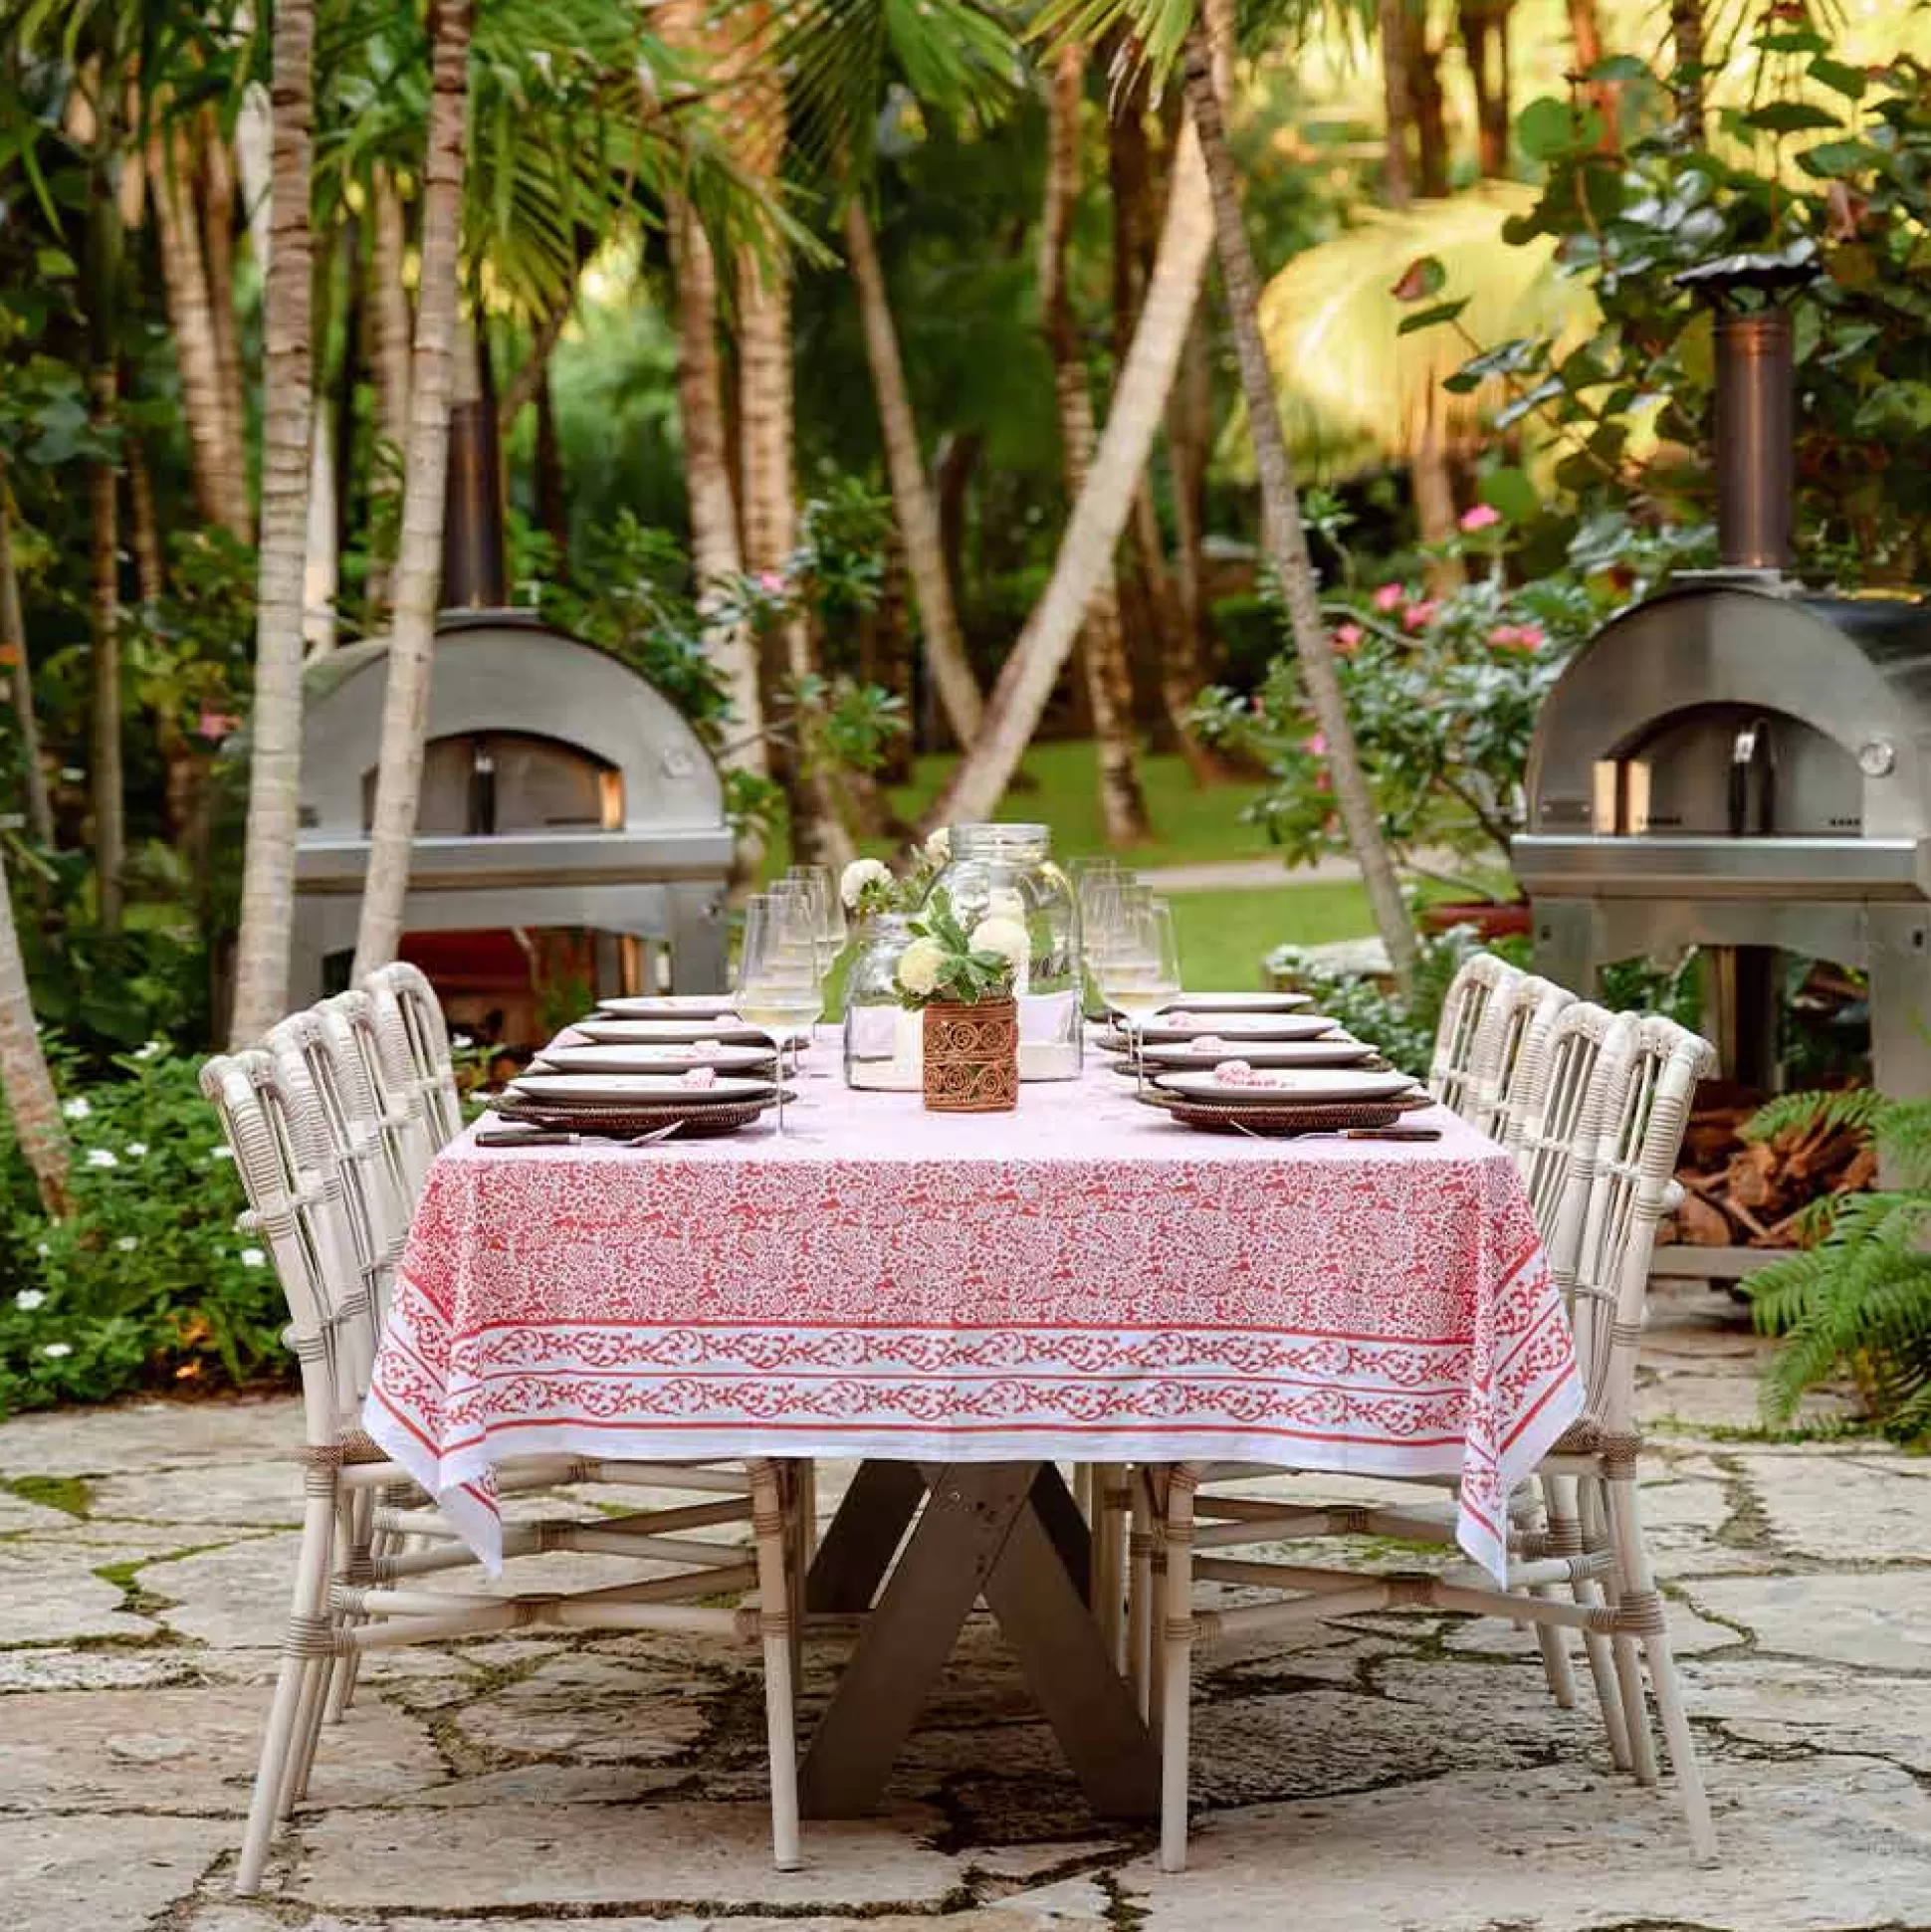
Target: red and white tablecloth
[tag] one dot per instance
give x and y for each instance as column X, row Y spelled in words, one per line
column 1081, row 1280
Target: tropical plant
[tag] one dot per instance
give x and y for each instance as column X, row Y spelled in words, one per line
column 1856, row 1299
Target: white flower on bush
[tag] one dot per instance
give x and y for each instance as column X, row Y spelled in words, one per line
column 920, row 965
column 56, row 1350
column 41, row 1250
column 148, row 1051
column 77, row 1109
column 222, row 1153
column 129, row 1244
column 28, row 1300
column 860, row 874
column 136, row 1149
column 939, row 847
column 253, row 1258
column 100, row 1157
column 461, row 1042
column 1006, row 936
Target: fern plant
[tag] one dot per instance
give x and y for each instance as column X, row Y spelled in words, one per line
column 1857, row 1296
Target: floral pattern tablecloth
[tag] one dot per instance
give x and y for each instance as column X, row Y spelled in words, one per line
column 1080, row 1280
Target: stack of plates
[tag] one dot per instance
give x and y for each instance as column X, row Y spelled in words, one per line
column 659, row 1057
column 723, row 1027
column 625, row 1104
column 1240, row 1030
column 1311, row 1099
column 671, row 1005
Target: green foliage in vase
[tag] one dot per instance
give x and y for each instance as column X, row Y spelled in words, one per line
column 148, row 1283
column 1856, row 1299
column 945, row 963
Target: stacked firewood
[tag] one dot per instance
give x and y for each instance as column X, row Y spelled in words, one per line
column 1753, row 1194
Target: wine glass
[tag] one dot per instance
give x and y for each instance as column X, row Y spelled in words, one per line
column 828, row 911
column 1138, row 970
column 779, row 987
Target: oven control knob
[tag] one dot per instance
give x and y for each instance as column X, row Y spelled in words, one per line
column 1877, row 758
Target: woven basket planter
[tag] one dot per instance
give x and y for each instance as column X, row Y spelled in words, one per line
column 973, row 1057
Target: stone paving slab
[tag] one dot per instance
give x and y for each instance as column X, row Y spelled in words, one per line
column 1401, row 1773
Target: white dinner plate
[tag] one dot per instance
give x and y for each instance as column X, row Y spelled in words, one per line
column 1240, row 1002
column 561, row 1088
column 1336, row 1051
column 669, row 1006
column 1298, row 1087
column 1237, row 1026
column 672, row 1058
column 666, row 1032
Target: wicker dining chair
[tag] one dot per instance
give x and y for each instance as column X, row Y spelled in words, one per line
column 1458, row 1071
column 1520, row 1026
column 410, row 1017
column 1617, row 1102
column 345, row 1605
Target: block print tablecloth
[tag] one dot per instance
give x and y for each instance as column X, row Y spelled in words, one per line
column 1080, row 1280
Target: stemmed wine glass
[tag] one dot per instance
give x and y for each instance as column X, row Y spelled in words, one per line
column 778, row 985
column 1138, row 969
column 828, row 912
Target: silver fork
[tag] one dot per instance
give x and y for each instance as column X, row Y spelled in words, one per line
column 567, row 1136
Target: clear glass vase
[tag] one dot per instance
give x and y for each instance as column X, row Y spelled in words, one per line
column 1008, row 871
column 884, row 1043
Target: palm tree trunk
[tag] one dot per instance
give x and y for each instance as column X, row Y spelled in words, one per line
column 1100, row 511
column 1434, row 500
column 1284, row 536
column 150, row 575
column 218, row 253
column 1485, row 41
column 412, row 639
column 715, row 551
column 1686, row 42
column 1430, row 105
column 1398, row 102
column 27, row 1085
column 220, row 464
column 1605, row 97
column 13, row 636
column 912, row 500
column 1109, row 679
column 288, row 424
column 390, row 329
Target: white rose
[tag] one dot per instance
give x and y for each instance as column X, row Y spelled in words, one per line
column 56, row 1350
column 251, row 1257
column 939, row 847
column 860, row 874
column 28, row 1300
column 129, row 1244
column 77, row 1109
column 100, row 1157
column 1006, row 936
column 918, row 966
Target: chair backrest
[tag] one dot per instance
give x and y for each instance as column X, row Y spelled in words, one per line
column 296, row 1205
column 1645, row 1117
column 395, row 1092
column 1457, row 1074
column 1558, row 1141
column 409, row 1018
column 1526, row 1025
column 322, row 1044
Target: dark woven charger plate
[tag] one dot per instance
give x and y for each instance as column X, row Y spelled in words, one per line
column 623, row 1119
column 1373, row 1064
column 1312, row 1116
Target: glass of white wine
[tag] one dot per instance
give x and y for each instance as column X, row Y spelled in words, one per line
column 780, row 991
column 1138, row 970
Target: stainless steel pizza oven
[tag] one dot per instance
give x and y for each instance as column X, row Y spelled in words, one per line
column 560, row 789
column 1745, row 767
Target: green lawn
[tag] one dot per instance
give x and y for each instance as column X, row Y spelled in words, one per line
column 1225, row 936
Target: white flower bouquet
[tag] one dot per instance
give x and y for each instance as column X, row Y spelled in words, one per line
column 945, row 963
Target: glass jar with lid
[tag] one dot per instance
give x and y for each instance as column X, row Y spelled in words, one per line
column 998, row 870
column 883, row 1044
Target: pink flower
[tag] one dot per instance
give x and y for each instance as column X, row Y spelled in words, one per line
column 214, row 725
column 1484, row 515
column 772, row 583
column 1346, row 637
column 1317, row 746
column 1517, row 637
column 1420, row 616
column 1389, row 596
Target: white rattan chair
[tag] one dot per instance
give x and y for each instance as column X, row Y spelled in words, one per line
column 409, row 1020
column 1615, row 1102
column 1518, row 1026
column 1459, row 1072
column 348, row 1602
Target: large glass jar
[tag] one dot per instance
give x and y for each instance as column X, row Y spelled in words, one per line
column 1009, row 870
column 883, row 1044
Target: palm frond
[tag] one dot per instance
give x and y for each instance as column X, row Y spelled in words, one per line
column 1855, row 1107
column 1355, row 391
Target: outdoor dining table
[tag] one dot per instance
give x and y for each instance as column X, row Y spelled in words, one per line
column 963, row 1303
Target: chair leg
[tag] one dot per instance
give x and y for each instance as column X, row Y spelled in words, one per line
column 1109, row 1504
column 774, row 1617
column 301, row 1668
column 1644, row 1602
column 1176, row 1646
column 1596, row 1646
column 1140, row 1595
column 1628, row 1660
column 1553, row 1643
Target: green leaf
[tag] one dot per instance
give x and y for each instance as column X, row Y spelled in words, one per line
column 1423, row 278
column 1549, row 129
column 55, row 262
column 1829, row 159
column 1789, row 118
column 1512, row 493
column 1850, row 82
column 1443, row 311
column 1619, row 66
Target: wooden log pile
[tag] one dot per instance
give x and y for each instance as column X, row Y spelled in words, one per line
column 1753, row 1194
